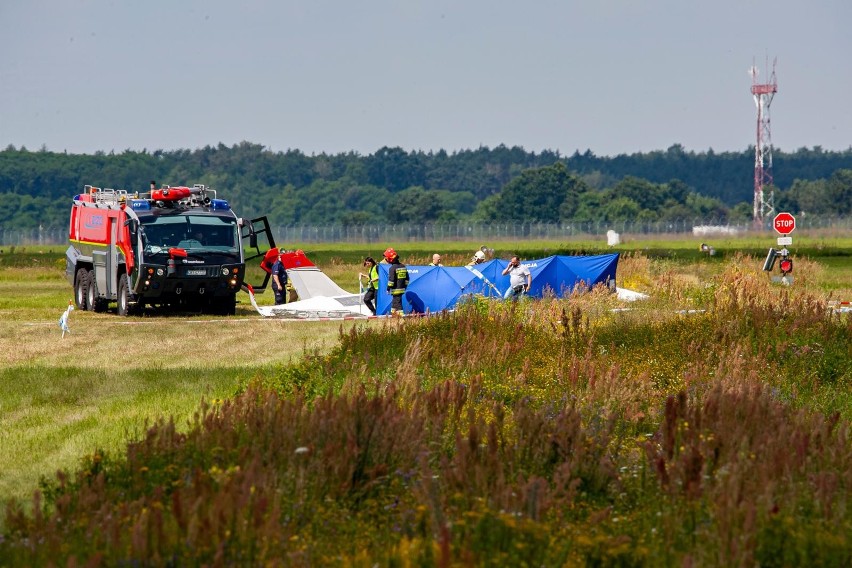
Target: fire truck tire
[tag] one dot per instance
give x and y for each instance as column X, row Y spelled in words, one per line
column 81, row 288
column 226, row 306
column 123, row 300
column 93, row 301
column 91, row 290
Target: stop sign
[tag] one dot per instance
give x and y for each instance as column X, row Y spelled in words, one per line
column 784, row 223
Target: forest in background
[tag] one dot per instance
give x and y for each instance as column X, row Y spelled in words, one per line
column 397, row 186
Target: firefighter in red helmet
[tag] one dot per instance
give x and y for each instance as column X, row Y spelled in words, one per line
column 397, row 281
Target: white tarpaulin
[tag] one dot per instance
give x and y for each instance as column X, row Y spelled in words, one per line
column 348, row 305
column 310, row 282
column 319, row 295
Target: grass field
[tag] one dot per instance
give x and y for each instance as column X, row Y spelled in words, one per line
column 68, row 401
column 63, row 398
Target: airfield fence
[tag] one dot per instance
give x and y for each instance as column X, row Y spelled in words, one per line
column 476, row 231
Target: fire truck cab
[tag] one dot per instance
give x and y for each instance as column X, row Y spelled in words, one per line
column 178, row 247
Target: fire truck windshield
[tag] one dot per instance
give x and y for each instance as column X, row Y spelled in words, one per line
column 195, row 233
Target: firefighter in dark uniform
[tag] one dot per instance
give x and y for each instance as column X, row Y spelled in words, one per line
column 279, row 280
column 397, row 281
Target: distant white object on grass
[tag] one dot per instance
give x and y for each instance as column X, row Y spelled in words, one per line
column 63, row 319
column 709, row 230
column 630, row 295
column 613, row 239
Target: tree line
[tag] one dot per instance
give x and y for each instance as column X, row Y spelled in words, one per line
column 393, row 185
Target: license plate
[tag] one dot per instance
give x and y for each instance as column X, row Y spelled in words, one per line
column 196, row 272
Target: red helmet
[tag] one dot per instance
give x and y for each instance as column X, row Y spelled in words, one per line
column 390, row 254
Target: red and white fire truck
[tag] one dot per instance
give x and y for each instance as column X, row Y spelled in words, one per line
column 178, row 247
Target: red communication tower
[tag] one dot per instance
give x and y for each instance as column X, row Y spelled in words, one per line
column 763, row 94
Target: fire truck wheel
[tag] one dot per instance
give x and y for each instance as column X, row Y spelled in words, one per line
column 91, row 290
column 123, row 296
column 94, row 302
column 226, row 306
column 81, row 288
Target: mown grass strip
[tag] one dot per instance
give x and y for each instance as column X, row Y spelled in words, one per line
column 51, row 417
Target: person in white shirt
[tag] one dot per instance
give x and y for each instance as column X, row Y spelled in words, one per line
column 520, row 278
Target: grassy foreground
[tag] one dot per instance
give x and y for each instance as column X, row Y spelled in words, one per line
column 549, row 433
column 64, row 398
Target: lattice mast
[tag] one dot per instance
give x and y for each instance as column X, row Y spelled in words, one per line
column 763, row 94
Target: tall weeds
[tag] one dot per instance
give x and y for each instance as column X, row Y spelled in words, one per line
column 554, row 432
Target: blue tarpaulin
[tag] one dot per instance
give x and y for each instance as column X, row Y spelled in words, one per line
column 438, row 288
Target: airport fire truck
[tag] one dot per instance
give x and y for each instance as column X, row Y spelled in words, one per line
column 175, row 247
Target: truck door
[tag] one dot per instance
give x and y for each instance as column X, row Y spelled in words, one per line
column 103, row 262
column 257, row 241
column 112, row 259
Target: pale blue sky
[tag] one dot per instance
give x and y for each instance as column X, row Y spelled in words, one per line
column 613, row 76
